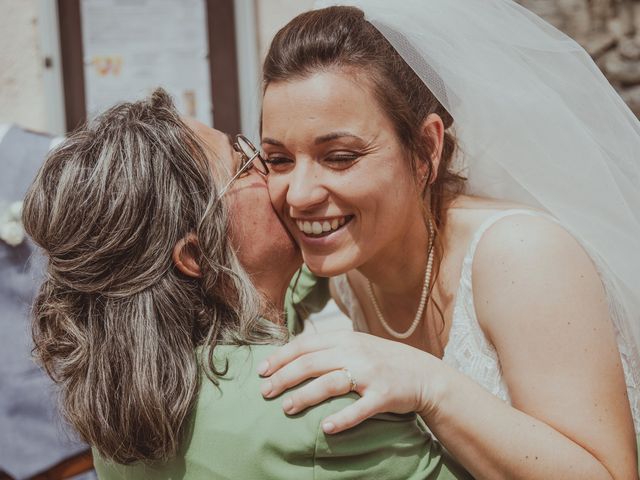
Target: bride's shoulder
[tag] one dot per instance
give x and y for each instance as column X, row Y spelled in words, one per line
column 471, row 208
column 530, row 255
column 514, row 240
column 522, row 235
column 467, row 215
column 504, row 228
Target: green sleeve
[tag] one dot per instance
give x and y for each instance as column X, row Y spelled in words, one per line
column 234, row 433
column 382, row 447
column 306, row 294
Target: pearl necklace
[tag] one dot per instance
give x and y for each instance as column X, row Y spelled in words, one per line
column 423, row 297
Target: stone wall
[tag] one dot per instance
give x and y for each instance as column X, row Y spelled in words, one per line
column 609, row 30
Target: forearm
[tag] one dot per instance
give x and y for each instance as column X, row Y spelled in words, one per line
column 493, row 440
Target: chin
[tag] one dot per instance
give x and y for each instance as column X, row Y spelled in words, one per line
column 329, row 265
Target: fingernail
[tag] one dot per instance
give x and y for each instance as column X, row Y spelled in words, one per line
column 263, row 367
column 328, row 427
column 266, row 388
column 287, row 405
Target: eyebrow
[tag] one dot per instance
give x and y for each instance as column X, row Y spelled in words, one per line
column 271, row 141
column 334, row 136
column 319, row 140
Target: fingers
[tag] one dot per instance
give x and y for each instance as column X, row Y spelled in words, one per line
column 352, row 415
column 310, row 365
column 332, row 384
column 299, row 346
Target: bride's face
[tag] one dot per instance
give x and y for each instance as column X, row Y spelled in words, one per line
column 340, row 179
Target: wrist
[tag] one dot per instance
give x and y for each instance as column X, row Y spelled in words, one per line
column 434, row 386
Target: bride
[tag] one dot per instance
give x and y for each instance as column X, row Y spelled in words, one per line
column 512, row 297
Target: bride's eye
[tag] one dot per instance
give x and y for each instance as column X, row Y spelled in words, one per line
column 275, row 160
column 278, row 163
column 342, row 159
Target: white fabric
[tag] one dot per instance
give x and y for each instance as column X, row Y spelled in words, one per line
column 468, row 350
column 537, row 123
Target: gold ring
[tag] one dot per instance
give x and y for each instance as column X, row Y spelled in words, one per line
column 353, row 384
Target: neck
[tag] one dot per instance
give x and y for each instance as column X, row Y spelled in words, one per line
column 272, row 285
column 397, row 271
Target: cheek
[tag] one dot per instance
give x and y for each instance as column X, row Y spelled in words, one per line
column 383, row 187
column 277, row 187
column 244, row 211
column 387, row 202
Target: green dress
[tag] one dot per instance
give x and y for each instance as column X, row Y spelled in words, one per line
column 306, row 294
column 236, row 434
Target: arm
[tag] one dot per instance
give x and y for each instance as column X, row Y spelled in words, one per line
column 541, row 303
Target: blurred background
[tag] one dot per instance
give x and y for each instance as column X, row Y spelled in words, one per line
column 63, row 61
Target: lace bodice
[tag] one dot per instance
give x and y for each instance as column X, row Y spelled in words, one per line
column 468, row 349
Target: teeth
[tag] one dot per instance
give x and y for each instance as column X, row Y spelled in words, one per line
column 318, row 227
column 307, row 227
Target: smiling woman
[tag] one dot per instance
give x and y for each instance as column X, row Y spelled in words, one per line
column 512, row 334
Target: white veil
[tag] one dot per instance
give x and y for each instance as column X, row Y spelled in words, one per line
column 537, row 123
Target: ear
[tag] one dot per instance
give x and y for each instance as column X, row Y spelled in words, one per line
column 184, row 256
column 432, row 127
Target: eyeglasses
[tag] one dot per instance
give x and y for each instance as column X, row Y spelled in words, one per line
column 251, row 158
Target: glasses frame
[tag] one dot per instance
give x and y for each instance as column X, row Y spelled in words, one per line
column 247, row 161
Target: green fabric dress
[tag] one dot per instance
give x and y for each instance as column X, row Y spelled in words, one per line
column 306, row 294
column 236, row 434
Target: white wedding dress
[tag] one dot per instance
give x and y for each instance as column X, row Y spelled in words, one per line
column 468, row 349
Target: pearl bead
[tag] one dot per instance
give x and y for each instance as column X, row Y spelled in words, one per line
column 423, row 295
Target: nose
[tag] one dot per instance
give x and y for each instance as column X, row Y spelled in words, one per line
column 305, row 190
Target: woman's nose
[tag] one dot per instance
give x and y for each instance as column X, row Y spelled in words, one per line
column 305, row 190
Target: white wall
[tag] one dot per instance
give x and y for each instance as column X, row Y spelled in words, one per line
column 22, row 97
column 274, row 14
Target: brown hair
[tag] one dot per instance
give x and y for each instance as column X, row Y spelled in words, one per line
column 341, row 38
column 115, row 324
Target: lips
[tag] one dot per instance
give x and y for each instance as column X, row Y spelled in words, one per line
column 319, row 227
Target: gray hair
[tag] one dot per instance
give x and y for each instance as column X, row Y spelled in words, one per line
column 115, row 324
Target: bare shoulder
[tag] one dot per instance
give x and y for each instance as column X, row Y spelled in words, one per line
column 541, row 304
column 467, row 214
column 532, row 262
column 522, row 236
column 484, row 204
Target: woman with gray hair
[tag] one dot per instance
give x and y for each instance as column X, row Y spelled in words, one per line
column 163, row 292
